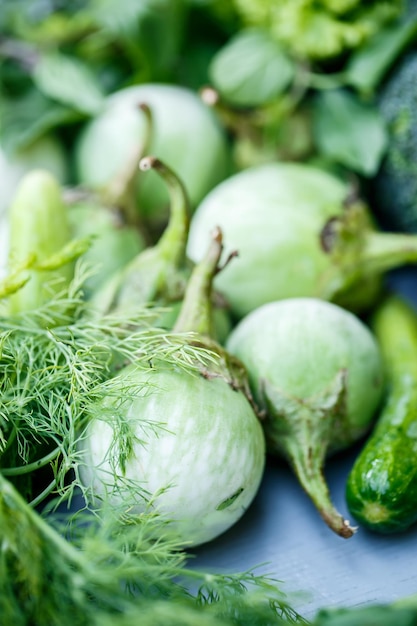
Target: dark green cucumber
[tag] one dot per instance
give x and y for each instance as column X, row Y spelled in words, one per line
column 381, row 489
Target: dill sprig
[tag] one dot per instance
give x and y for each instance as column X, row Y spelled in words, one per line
column 118, row 570
column 59, row 359
column 107, row 565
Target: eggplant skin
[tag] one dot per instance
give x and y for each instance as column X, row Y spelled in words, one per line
column 194, row 444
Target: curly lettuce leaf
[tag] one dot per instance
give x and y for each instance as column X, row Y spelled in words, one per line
column 321, row 29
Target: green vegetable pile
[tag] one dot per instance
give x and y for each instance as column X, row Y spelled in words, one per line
column 202, row 204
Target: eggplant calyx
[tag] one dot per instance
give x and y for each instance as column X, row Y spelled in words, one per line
column 303, row 430
column 195, row 313
column 359, row 252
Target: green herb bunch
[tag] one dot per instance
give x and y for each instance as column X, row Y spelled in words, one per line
column 116, row 570
column 94, row 566
column 57, row 360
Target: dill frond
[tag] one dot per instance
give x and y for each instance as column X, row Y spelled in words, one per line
column 60, row 359
column 107, row 565
column 113, row 569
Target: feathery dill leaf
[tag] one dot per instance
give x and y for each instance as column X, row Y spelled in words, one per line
column 57, row 360
column 106, row 566
column 118, row 570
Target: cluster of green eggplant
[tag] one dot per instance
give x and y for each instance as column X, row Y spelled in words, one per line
column 277, row 270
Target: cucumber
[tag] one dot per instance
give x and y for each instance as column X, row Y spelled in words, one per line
column 381, row 488
column 393, row 190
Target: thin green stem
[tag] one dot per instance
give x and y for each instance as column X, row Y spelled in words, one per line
column 31, row 467
column 385, row 251
column 10, row 496
column 173, row 241
column 44, row 493
column 195, row 314
column 380, row 253
column 312, row 480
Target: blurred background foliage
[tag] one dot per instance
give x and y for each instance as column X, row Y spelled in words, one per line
column 293, row 79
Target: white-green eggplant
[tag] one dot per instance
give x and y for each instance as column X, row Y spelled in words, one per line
column 157, row 275
column 186, row 444
column 316, row 371
column 299, row 232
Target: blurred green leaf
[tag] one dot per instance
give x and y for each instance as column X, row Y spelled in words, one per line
column 27, row 118
column 54, row 29
column 349, row 131
column 160, row 34
column 366, row 616
column 251, row 69
column 120, row 16
column 69, row 81
column 148, row 32
column 367, row 65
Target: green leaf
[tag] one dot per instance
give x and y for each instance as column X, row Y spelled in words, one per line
column 251, row 69
column 349, row 131
column 27, row 118
column 69, row 81
column 367, row 65
column 149, row 32
column 121, row 16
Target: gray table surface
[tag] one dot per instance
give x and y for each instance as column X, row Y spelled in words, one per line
column 283, row 534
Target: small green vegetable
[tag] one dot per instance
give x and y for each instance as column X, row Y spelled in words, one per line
column 315, row 369
column 157, row 274
column 39, row 228
column 381, row 489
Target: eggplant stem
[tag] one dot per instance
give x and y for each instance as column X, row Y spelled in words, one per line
column 195, row 313
column 300, row 430
column 312, row 481
column 173, row 241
